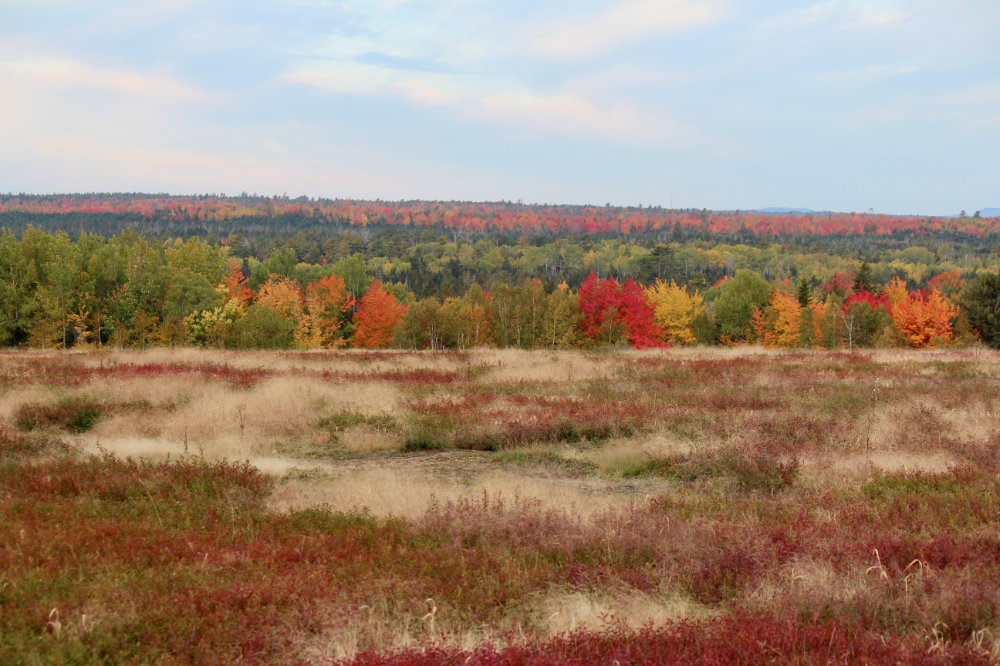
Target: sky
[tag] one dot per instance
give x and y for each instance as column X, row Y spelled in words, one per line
column 888, row 106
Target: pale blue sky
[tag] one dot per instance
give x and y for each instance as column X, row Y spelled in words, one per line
column 846, row 105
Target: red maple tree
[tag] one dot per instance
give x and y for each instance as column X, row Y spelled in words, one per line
column 610, row 311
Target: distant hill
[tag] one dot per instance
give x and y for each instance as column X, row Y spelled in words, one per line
column 222, row 216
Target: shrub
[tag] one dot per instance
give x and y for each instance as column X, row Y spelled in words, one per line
column 337, row 422
column 75, row 414
column 19, row 444
column 765, row 473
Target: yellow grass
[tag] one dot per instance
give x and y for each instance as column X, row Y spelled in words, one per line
column 406, row 492
column 273, row 424
column 518, row 365
column 562, row 612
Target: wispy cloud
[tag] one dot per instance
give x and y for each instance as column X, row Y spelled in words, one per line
column 564, row 112
column 392, row 58
column 621, row 23
column 358, row 78
column 871, row 74
column 839, row 14
column 30, row 73
column 557, row 111
column 401, row 62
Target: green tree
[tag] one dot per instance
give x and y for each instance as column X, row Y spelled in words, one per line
column 263, row 327
column 736, row 302
column 980, row 300
column 189, row 292
column 353, row 271
column 863, row 280
column 559, row 319
column 17, row 285
column 198, row 257
column 423, row 326
column 804, row 294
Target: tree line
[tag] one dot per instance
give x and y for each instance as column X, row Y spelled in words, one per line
column 501, row 216
column 129, row 291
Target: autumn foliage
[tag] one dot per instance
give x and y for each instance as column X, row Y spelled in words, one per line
column 378, row 315
column 326, row 301
column 129, row 292
column 675, row 311
column 924, row 317
column 236, row 283
column 611, row 312
column 780, row 323
column 488, row 216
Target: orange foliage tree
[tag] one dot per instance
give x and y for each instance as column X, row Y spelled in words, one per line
column 923, row 316
column 787, row 319
column 283, row 295
column 326, row 303
column 236, row 284
column 378, row 314
column 780, row 323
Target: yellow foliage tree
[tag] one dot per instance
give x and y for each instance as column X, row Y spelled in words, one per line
column 675, row 310
column 283, row 295
column 787, row 322
column 83, row 336
column 211, row 327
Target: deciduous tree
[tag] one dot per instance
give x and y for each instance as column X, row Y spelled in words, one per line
column 675, row 311
column 925, row 317
column 738, row 298
column 325, row 304
column 378, row 315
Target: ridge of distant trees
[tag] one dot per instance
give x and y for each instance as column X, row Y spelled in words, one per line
column 203, row 215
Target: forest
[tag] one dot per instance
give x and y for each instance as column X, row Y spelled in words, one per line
column 254, row 272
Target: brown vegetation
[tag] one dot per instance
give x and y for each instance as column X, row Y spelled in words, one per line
column 437, row 502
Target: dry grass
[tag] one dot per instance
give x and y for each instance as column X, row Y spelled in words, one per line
column 850, row 470
column 273, row 422
column 363, row 439
column 518, row 365
column 229, row 423
column 562, row 612
column 344, row 637
column 407, row 491
column 804, row 577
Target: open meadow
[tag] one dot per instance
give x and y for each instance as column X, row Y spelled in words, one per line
column 701, row 505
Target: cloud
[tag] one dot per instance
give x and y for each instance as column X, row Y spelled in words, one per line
column 969, row 109
column 619, row 24
column 872, row 74
column 465, row 68
column 358, row 78
column 560, row 111
column 21, row 76
column 840, row 14
column 400, row 62
column 564, row 112
column 77, row 163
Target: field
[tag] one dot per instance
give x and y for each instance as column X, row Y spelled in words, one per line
column 688, row 505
